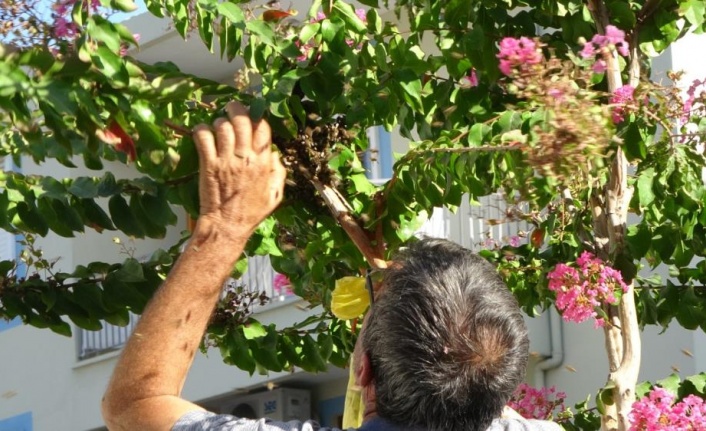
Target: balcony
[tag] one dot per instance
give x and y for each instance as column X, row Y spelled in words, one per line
column 259, row 277
column 474, row 227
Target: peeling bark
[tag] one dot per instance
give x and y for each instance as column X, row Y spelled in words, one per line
column 610, row 211
column 342, row 212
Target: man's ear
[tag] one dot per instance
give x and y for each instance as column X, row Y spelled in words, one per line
column 364, row 371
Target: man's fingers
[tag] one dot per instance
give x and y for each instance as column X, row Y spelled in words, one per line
column 262, row 137
column 205, row 144
column 278, row 176
column 242, row 126
column 225, row 137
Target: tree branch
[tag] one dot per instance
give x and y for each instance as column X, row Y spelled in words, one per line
column 342, row 212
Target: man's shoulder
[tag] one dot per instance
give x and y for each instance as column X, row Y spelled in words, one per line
column 207, row 421
column 523, row 425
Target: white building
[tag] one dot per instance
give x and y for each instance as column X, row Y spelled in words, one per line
column 49, row 382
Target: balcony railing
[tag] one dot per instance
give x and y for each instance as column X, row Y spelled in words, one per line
column 259, row 277
column 474, row 227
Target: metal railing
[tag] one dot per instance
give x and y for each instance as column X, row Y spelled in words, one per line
column 106, row 340
column 259, row 277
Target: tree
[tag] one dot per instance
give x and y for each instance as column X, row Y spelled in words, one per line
column 549, row 102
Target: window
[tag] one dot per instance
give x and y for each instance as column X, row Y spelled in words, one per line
column 378, row 159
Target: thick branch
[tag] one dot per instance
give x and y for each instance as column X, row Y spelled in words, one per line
column 647, row 10
column 342, row 212
column 610, row 219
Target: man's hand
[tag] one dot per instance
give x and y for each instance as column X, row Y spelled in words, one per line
column 241, row 180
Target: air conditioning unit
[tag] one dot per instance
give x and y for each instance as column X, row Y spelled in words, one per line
column 281, row 404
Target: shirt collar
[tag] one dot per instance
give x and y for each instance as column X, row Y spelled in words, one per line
column 380, row 424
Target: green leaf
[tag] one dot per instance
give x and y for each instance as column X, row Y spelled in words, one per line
column 233, row 12
column 111, row 65
column 253, row 329
column 130, row 272
column 237, row 351
column 262, row 30
column 90, row 297
column 694, row 11
column 108, row 186
column 644, row 187
column 103, row 30
column 411, row 85
column 119, row 293
column 698, row 382
column 84, row 188
column 347, row 12
column 622, row 14
column 265, row 352
column 670, row 383
column 95, row 216
column 32, row 218
column 122, row 5
column 123, row 217
column 312, row 356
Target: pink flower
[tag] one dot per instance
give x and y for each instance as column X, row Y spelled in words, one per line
column 658, row 411
column 613, row 37
column 579, row 292
column 599, row 66
column 621, row 97
column 588, row 51
column 518, row 54
column 532, row 403
column 64, row 29
column 362, row 14
column 281, row 285
column 689, row 102
column 470, row 80
column 555, row 93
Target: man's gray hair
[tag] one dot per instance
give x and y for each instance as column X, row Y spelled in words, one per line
column 446, row 340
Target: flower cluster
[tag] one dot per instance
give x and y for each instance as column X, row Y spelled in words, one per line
column 621, row 97
column 603, row 43
column 532, row 403
column 575, row 128
column 518, row 55
column 692, row 97
column 64, row 27
column 657, row 412
column 281, row 285
column 580, row 292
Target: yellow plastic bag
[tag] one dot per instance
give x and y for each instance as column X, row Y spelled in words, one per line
column 353, row 408
column 349, row 298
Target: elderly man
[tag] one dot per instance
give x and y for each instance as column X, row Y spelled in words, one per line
column 443, row 346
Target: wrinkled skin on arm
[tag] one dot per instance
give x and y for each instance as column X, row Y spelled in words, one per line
column 241, row 181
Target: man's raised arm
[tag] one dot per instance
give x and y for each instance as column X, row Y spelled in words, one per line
column 240, row 182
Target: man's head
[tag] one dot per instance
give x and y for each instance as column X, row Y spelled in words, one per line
column 446, row 342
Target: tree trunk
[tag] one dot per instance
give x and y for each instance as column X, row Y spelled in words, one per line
column 610, row 210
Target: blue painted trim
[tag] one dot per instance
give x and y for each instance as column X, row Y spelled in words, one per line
column 21, row 422
column 385, row 152
column 21, row 270
column 5, row 325
column 330, row 410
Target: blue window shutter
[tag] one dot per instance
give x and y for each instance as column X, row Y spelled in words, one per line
column 21, row 422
